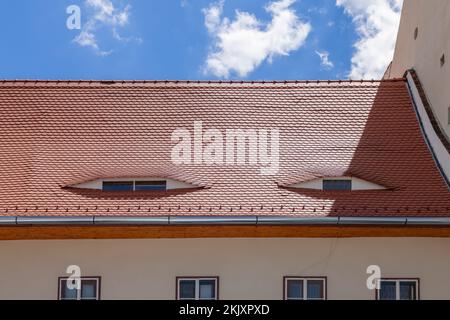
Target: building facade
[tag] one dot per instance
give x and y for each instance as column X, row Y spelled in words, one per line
column 138, row 190
column 245, row 268
column 233, row 190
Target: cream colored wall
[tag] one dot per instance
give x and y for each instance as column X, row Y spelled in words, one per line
column 248, row 268
column 423, row 54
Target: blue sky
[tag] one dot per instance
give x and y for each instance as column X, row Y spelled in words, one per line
column 171, row 39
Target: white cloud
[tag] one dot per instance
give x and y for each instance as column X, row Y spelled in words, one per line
column 324, row 59
column 377, row 24
column 241, row 45
column 104, row 14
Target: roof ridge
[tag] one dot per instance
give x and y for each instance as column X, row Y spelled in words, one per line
column 247, row 82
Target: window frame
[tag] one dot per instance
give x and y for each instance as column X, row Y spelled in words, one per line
column 133, row 185
column 305, row 287
column 397, row 287
column 448, row 116
column 197, row 287
column 324, row 180
column 98, row 279
column 141, row 183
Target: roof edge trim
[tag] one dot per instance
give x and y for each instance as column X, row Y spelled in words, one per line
column 436, row 146
column 43, row 82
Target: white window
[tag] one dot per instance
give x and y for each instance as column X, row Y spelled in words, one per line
column 197, row 288
column 309, row 288
column 90, row 289
column 398, row 289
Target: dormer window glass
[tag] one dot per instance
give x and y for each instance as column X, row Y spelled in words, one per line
column 158, row 185
column 118, row 186
column 150, row 185
column 337, row 185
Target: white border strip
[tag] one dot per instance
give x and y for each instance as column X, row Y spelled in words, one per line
column 439, row 151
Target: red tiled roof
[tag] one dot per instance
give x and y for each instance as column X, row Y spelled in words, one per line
column 56, row 133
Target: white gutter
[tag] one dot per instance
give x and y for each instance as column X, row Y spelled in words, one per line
column 226, row 220
column 373, row 221
column 54, row 220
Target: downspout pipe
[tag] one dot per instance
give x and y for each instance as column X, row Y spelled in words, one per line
column 218, row 220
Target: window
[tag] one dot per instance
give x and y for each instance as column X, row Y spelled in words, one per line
column 150, row 185
column 416, row 33
column 337, row 185
column 197, row 288
column 398, row 289
column 304, row 288
column 90, row 289
column 159, row 185
column 117, row 186
column 132, row 183
column 343, row 183
column 449, row 115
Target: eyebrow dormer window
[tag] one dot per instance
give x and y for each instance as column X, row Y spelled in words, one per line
column 160, row 185
column 138, row 184
column 337, row 185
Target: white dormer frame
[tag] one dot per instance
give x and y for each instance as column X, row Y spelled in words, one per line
column 98, row 183
column 357, row 184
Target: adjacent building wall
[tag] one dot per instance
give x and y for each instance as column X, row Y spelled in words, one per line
column 432, row 20
column 247, row 268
